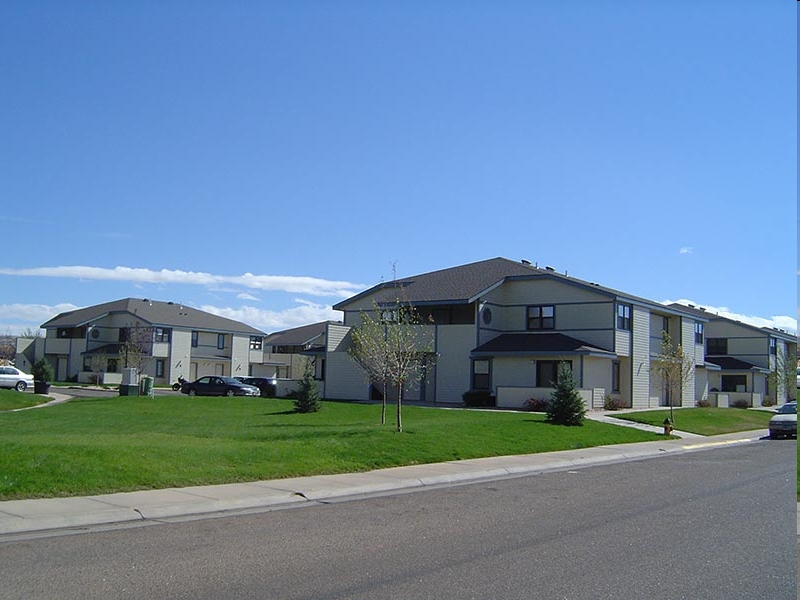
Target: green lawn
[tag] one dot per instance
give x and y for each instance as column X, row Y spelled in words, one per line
column 705, row 421
column 12, row 399
column 103, row 445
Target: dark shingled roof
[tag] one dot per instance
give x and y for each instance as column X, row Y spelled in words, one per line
column 727, row 363
column 297, row 336
column 155, row 313
column 466, row 283
column 538, row 343
column 456, row 284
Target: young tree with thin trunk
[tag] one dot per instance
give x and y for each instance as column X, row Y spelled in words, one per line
column 393, row 347
column 674, row 368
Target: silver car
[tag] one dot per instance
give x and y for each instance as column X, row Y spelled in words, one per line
column 12, row 377
column 784, row 422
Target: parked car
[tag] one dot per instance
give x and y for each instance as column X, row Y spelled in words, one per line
column 265, row 384
column 216, row 385
column 784, row 422
column 12, row 377
column 798, row 378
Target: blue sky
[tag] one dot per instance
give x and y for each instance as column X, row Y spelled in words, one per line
column 264, row 160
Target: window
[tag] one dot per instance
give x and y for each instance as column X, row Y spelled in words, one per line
column 111, row 365
column 195, row 338
column 665, row 325
column 624, row 317
column 159, row 368
column 716, row 346
column 615, row 372
column 773, row 346
column 256, row 342
column 698, row 333
column 481, row 379
column 547, row 372
column 542, row 317
column 162, row 334
column 220, row 341
column 734, row 383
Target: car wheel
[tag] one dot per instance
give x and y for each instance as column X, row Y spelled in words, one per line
column 230, row 393
column 774, row 435
column 21, row 386
column 192, row 393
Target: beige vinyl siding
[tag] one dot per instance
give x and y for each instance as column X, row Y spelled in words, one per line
column 180, row 351
column 640, row 357
column 452, row 372
column 688, row 345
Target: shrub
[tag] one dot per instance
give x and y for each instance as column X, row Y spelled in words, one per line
column 704, row 403
column 768, row 401
column 613, row 403
column 42, row 370
column 307, row 400
column 478, row 398
column 566, row 406
column 740, row 403
column 537, row 404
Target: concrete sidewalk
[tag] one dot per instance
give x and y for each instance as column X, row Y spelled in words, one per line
column 21, row 517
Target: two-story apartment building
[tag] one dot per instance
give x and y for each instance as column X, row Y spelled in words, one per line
column 503, row 326
column 748, row 363
column 175, row 340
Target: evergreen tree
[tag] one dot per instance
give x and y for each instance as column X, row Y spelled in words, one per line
column 566, row 406
column 307, row 399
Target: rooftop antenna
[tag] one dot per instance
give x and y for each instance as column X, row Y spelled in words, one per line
column 394, row 270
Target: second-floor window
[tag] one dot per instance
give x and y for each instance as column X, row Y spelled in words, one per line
column 624, row 317
column 220, row 341
column 195, row 338
column 698, row 333
column 256, row 342
column 716, row 346
column 161, row 334
column 542, row 317
column 773, row 346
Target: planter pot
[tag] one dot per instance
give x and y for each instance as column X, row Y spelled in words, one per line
column 41, row 387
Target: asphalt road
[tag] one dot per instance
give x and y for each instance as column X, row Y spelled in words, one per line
column 712, row 524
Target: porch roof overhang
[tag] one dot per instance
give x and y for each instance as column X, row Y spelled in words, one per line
column 109, row 349
column 538, row 344
column 730, row 364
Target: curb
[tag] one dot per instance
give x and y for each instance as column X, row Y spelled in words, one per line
column 60, row 515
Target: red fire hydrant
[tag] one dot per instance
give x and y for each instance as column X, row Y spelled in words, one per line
column 667, row 426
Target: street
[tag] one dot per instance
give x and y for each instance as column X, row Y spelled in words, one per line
column 713, row 524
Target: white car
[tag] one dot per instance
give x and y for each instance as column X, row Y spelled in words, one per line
column 12, row 377
column 784, row 423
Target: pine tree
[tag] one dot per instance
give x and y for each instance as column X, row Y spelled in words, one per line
column 566, row 406
column 307, row 399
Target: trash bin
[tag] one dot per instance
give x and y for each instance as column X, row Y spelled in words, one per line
column 146, row 386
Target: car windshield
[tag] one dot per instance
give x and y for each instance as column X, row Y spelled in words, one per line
column 788, row 409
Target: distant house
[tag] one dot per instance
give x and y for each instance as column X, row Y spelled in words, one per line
column 503, row 326
column 285, row 353
column 97, row 342
column 741, row 358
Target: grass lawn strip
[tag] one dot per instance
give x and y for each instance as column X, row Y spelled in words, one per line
column 13, row 400
column 105, row 445
column 704, row 421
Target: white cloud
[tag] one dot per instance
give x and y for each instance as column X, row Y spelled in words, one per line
column 784, row 322
column 246, row 296
column 686, row 250
column 271, row 321
column 282, row 283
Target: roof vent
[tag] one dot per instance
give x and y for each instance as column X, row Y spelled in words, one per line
column 550, row 269
column 525, row 261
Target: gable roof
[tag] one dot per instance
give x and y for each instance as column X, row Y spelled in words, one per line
column 155, row 313
column 466, row 283
column 767, row 331
column 297, row 336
